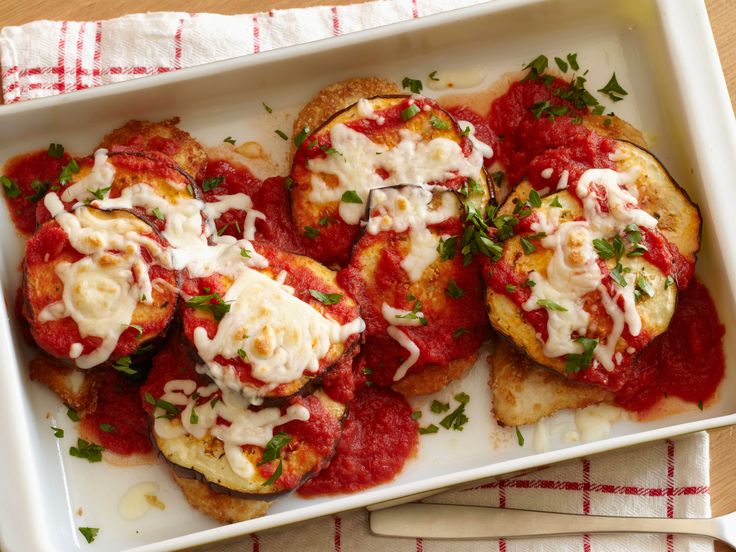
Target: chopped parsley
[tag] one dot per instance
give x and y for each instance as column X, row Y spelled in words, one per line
column 409, row 112
column 170, row 410
column 212, row 183
column 643, row 287
column 230, row 140
column 91, row 452
column 99, row 193
column 351, row 196
column 549, row 109
column 459, row 331
column 242, row 354
column 325, row 221
column 576, row 362
column 299, row 138
column 326, row 298
column 157, row 213
column 273, row 452
column 551, row 305
column 123, row 365
column 72, row 414
column 66, row 173
column 89, row 533
column 536, row 67
column 470, row 186
column 282, row 135
column 617, row 275
column 438, row 407
column 107, row 428
column 433, row 76
column 267, row 107
column 416, row 414
column 40, row 188
column 10, row 188
column 288, row 182
column 519, row 436
column 609, row 250
column 453, row 290
column 218, row 308
column 329, row 150
column 562, row 64
column 527, row 246
column 244, row 253
column 58, row 432
column 572, row 59
column 556, row 203
column 438, row 123
column 529, row 283
column 669, row 281
column 138, row 328
column 415, row 313
column 446, row 248
column 56, row 150
column 700, row 404
column 457, row 418
column 510, row 288
column 311, row 232
column 412, row 84
column 613, row 90
column 431, row 428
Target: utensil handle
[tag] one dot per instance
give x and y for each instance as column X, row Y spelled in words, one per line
column 472, row 522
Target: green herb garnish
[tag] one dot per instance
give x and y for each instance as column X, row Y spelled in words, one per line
column 212, row 183
column 412, row 84
column 453, row 290
column 91, row 452
column 613, row 90
column 311, row 232
column 576, row 362
column 10, row 188
column 89, row 533
column 218, row 308
column 282, row 135
column 56, row 150
column 409, row 112
column 351, row 196
column 551, row 305
column 326, row 298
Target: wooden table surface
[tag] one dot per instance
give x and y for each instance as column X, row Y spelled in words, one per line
column 723, row 19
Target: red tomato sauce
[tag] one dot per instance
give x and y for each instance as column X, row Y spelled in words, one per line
column 456, row 326
column 378, row 438
column 278, row 228
column 24, row 170
column 119, row 423
column 687, row 361
column 526, row 145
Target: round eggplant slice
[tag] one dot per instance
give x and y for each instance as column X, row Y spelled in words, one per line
column 422, row 305
column 146, row 182
column 96, row 285
column 601, row 288
column 164, row 137
column 219, row 438
column 376, row 143
column 271, row 332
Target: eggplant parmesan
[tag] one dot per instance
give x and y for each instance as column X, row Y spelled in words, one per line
column 273, row 329
column 216, row 435
column 423, row 305
column 164, row 137
column 97, row 284
column 376, row 143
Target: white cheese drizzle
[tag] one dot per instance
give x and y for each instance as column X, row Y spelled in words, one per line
column 609, row 204
column 247, row 427
column 407, row 344
column 410, row 208
column 282, row 336
column 411, row 161
column 99, row 178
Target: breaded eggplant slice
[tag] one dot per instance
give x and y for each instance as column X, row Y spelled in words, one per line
column 336, row 97
column 273, row 331
column 144, row 182
column 422, row 305
column 209, row 434
column 219, row 506
column 524, row 392
column 524, row 268
column 100, row 292
column 164, row 137
column 376, row 143
column 76, row 388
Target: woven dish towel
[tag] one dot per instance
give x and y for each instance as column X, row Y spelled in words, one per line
column 666, row 479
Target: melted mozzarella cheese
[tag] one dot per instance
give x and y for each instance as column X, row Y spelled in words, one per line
column 467, row 77
column 99, row 178
column 409, row 345
column 485, row 149
column 399, row 317
column 411, row 161
column 281, row 335
column 610, row 204
column 244, row 426
column 410, row 208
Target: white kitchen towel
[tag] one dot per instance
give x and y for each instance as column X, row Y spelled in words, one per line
column 665, row 479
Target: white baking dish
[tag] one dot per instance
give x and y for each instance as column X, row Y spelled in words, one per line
column 662, row 51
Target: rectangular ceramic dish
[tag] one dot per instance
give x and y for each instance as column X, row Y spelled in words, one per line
column 664, row 53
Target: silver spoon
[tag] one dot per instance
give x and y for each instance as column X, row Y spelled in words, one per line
column 448, row 521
